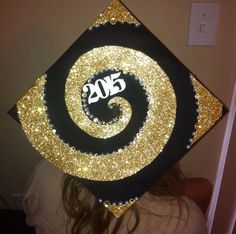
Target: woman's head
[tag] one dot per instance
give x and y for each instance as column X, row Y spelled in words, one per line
column 87, row 215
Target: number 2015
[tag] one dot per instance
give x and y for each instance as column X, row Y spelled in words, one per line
column 103, row 88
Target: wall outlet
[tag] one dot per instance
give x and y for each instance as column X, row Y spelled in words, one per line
column 203, row 24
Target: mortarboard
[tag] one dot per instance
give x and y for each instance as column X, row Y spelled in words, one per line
column 117, row 109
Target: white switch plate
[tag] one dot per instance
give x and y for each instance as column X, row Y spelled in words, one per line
column 203, row 24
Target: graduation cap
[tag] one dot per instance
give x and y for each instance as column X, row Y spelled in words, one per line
column 117, row 109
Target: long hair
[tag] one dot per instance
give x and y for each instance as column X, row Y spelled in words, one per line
column 89, row 216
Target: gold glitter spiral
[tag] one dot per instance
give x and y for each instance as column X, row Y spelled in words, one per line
column 149, row 141
column 85, row 67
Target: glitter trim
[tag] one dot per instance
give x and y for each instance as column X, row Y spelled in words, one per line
column 210, row 109
column 116, row 12
column 146, row 146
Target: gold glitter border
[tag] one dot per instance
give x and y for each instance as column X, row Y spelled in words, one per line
column 209, row 108
column 114, row 13
column 146, row 146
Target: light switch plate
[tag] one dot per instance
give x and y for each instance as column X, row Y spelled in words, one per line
column 203, row 24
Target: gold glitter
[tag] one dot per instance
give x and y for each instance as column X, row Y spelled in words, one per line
column 210, row 109
column 118, row 210
column 146, row 146
column 85, row 67
column 116, row 12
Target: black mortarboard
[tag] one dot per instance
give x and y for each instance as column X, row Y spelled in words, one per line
column 117, row 109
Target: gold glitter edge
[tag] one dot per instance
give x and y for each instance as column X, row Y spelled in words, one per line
column 116, row 12
column 210, row 109
column 118, row 210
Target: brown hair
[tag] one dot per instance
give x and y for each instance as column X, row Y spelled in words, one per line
column 87, row 215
